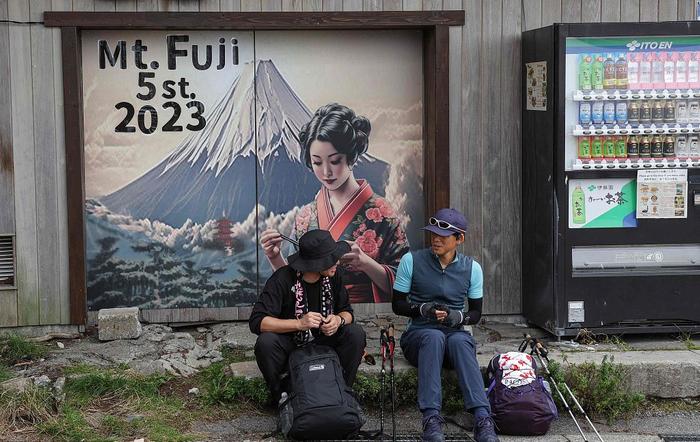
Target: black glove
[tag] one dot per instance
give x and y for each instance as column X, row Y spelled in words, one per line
column 455, row 318
column 428, row 309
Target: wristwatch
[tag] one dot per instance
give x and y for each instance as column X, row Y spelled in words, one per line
column 342, row 321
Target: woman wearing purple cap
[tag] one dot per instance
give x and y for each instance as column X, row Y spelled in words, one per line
column 430, row 288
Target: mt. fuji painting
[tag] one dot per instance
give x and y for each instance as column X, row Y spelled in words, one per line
column 173, row 219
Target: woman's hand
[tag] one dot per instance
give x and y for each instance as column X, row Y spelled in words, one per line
column 330, row 327
column 355, row 260
column 311, row 320
column 270, row 241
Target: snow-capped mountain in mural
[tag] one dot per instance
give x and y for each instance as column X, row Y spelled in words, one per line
column 214, row 171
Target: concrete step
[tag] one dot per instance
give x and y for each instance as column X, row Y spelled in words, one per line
column 662, row 367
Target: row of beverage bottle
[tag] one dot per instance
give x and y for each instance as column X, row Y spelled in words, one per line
column 639, row 70
column 637, row 112
column 643, row 146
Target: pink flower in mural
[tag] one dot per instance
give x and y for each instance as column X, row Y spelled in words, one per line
column 374, row 214
column 369, row 243
column 302, row 220
column 385, row 208
column 360, row 230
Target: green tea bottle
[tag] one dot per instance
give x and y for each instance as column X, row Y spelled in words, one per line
column 584, row 73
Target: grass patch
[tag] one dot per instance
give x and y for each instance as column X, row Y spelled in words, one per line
column 92, row 383
column 663, row 405
column 117, row 404
column 5, row 373
column 600, row 389
column 30, row 407
column 235, row 354
column 70, row 425
column 687, row 340
column 14, row 349
column 221, row 388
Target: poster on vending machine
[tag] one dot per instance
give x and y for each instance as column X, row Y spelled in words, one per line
column 602, row 203
column 662, row 193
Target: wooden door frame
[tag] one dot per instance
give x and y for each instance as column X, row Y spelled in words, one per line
column 433, row 24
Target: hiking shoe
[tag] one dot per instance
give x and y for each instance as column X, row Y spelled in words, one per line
column 484, row 430
column 432, row 429
column 286, row 416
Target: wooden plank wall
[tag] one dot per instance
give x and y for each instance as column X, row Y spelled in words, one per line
column 484, row 129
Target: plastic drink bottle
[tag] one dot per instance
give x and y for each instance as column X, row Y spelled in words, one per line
column 682, row 146
column 597, row 147
column 633, row 147
column 693, row 111
column 682, row 111
column 597, row 70
column 682, row 70
column 621, row 147
column 584, row 73
column 633, row 71
column 670, row 70
column 578, row 205
column 693, row 148
column 621, row 112
column 621, row 72
column 609, row 81
column 609, row 112
column 609, row 147
column 645, row 71
column 669, row 147
column 657, row 71
column 584, row 148
column 693, row 71
column 584, row 113
column 597, row 112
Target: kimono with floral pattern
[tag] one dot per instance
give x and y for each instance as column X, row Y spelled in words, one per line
column 371, row 222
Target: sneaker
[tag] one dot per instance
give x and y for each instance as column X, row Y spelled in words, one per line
column 284, row 424
column 484, row 430
column 432, row 429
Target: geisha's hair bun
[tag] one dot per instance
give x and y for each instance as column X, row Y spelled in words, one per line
column 338, row 125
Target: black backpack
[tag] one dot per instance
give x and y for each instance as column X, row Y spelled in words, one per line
column 323, row 406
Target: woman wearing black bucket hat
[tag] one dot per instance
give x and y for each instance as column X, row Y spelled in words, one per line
column 306, row 301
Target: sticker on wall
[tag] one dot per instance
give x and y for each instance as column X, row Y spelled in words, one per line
column 662, row 193
column 536, row 86
column 602, row 203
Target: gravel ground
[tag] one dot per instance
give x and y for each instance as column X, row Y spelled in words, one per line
column 642, row 428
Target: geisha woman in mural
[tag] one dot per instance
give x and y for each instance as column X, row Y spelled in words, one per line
column 331, row 144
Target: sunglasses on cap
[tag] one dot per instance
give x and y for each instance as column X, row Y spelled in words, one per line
column 444, row 224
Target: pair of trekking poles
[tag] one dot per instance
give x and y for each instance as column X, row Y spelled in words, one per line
column 539, row 350
column 387, row 344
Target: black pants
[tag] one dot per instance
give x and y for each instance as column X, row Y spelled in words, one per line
column 272, row 351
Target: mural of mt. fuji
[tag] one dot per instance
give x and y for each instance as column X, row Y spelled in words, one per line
column 212, row 172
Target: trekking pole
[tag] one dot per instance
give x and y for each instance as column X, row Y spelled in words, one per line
column 536, row 349
column 383, row 344
column 543, row 350
column 392, row 346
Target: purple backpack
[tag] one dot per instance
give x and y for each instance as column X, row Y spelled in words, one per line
column 521, row 405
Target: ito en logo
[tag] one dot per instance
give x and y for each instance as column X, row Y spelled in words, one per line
column 634, row 44
column 648, row 45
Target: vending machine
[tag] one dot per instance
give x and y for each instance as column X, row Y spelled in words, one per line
column 611, row 177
